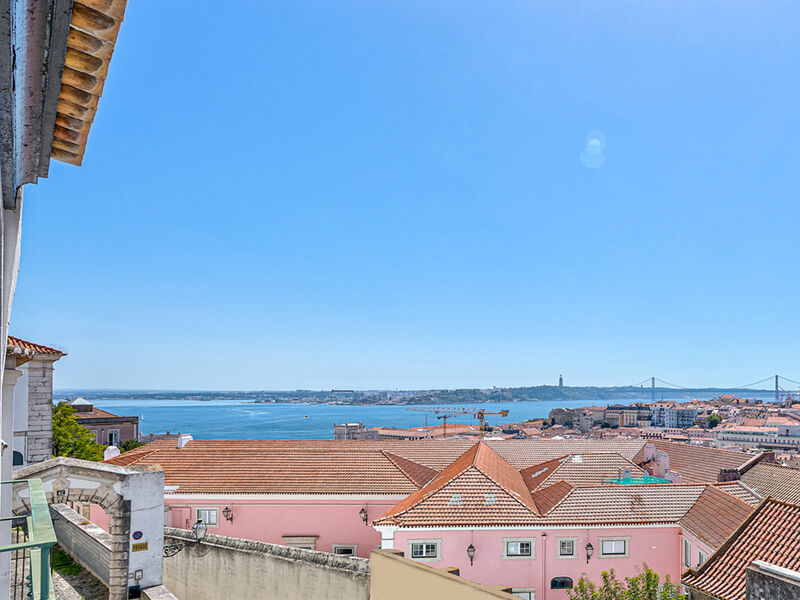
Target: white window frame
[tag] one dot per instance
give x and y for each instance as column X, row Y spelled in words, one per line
column 574, row 541
column 353, row 547
column 304, row 542
column 530, row 593
column 687, row 553
column 625, row 539
column 207, row 509
column 108, row 436
column 701, row 557
column 507, row 556
column 436, row 542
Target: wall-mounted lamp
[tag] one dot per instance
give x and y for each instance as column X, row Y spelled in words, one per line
column 227, row 513
column 363, row 514
column 589, row 551
column 198, row 531
column 471, row 553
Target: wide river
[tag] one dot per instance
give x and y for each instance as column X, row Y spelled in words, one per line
column 216, row 418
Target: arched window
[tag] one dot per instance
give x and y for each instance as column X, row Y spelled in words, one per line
column 17, row 459
column 561, row 583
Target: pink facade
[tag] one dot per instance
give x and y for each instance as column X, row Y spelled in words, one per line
column 331, row 521
column 659, row 547
column 107, row 433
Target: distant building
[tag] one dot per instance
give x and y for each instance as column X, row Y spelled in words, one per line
column 353, row 431
column 560, row 381
column 620, row 415
column 109, row 429
column 146, row 438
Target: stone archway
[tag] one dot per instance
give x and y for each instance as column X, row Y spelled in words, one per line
column 132, row 497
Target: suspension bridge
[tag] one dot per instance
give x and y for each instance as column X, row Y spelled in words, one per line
column 784, row 392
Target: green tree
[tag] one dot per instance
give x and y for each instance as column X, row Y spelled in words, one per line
column 130, row 445
column 714, row 419
column 70, row 438
column 645, row 586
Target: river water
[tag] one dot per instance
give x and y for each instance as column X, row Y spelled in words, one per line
column 222, row 418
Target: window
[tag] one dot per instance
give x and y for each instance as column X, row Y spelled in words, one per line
column 687, row 553
column 425, row 550
column 701, row 557
column 614, row 547
column 304, row 542
column 567, row 547
column 113, row 437
column 207, row 516
column 344, row 550
column 518, row 548
column 526, row 593
column 561, row 583
column 18, row 459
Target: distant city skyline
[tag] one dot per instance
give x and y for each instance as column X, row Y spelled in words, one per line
column 422, row 196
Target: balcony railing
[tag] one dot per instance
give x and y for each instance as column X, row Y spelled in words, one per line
column 41, row 537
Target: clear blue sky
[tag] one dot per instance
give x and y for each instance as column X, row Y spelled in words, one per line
column 391, row 194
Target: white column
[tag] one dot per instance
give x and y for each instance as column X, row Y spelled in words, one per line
column 6, row 468
column 387, row 536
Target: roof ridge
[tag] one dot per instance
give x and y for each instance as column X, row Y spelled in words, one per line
column 531, row 505
column 398, row 461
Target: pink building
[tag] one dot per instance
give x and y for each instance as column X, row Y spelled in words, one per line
column 109, row 429
column 537, row 514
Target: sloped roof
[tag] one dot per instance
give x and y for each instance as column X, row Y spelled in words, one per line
column 480, row 486
column 419, row 474
column 547, row 498
column 741, row 491
column 775, row 481
column 25, row 346
column 715, row 516
column 770, row 534
column 588, row 470
column 663, row 503
column 695, row 463
column 93, row 29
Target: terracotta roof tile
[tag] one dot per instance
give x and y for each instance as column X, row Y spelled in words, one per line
column 695, row 463
column 770, row 534
column 419, row 474
column 589, row 470
column 775, row 481
column 741, row 491
column 547, row 498
column 24, row 345
column 663, row 503
column 715, row 516
column 480, row 486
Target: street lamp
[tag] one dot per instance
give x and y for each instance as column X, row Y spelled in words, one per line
column 471, row 553
column 227, row 513
column 199, row 530
column 589, row 552
column 363, row 514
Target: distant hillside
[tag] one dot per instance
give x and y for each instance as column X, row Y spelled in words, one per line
column 549, row 393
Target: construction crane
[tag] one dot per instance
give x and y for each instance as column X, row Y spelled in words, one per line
column 444, row 413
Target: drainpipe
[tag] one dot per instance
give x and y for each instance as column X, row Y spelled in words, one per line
column 544, row 565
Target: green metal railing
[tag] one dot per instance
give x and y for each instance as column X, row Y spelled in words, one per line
column 41, row 537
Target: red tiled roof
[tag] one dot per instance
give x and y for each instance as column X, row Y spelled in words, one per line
column 419, row 474
column 535, row 475
column 480, row 486
column 775, row 481
column 24, row 345
column 715, row 516
column 663, row 503
column 695, row 463
column 741, row 491
column 97, row 413
column 547, row 498
column 770, row 534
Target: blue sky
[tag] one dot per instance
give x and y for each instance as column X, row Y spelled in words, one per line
column 391, row 195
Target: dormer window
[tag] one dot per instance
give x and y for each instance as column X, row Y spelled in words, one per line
column 455, row 499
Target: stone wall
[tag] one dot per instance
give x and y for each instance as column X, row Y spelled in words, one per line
column 40, row 410
column 84, row 541
column 767, row 582
column 225, row 567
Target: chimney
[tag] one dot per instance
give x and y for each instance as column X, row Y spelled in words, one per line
column 649, row 452
column 110, row 452
column 661, row 464
column 626, row 474
column 674, row 477
column 184, row 439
